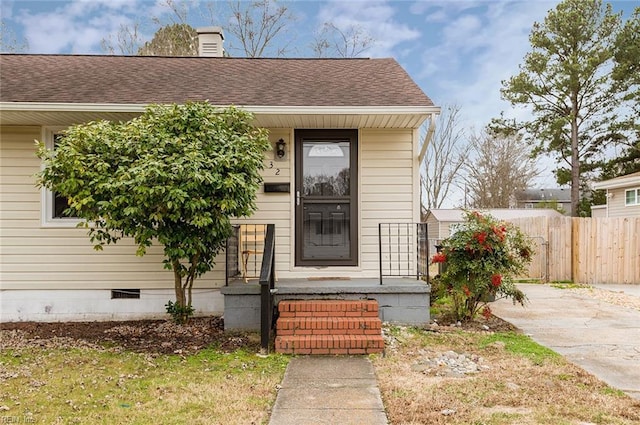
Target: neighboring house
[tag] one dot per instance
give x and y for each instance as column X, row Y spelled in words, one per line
column 441, row 221
column 623, row 197
column 353, row 119
column 542, row 198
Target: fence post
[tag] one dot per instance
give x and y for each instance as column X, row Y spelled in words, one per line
column 575, row 248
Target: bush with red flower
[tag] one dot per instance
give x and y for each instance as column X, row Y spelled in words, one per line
column 479, row 261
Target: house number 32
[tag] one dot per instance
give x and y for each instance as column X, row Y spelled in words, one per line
column 271, row 167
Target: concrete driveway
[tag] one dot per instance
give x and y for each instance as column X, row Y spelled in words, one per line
column 601, row 337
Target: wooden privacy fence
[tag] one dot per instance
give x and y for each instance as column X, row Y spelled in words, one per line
column 584, row 250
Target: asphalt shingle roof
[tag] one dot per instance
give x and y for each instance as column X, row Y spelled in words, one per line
column 222, row 81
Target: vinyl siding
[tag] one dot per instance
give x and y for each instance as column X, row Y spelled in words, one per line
column 275, row 208
column 37, row 257
column 388, row 188
column 616, row 204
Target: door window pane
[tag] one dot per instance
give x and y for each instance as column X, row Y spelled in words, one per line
column 326, row 168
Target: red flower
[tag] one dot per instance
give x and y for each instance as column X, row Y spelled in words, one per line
column 481, row 237
column 439, row 258
column 496, row 280
column 499, row 232
column 486, row 312
column 466, row 290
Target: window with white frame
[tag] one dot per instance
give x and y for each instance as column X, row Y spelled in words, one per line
column 632, row 197
column 54, row 205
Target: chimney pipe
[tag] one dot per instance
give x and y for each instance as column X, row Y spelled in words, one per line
column 210, row 42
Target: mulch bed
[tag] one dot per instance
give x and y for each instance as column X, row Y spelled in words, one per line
column 148, row 336
column 166, row 337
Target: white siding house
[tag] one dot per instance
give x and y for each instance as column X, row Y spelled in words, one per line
column 49, row 270
column 623, row 196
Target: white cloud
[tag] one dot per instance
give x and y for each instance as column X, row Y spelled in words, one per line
column 474, row 53
column 6, row 9
column 76, row 26
column 79, row 26
column 376, row 18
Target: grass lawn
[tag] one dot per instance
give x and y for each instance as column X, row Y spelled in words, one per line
column 92, row 379
column 522, row 383
column 93, row 385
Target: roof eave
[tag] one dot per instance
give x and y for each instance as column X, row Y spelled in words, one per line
column 617, row 183
column 262, row 113
column 256, row 109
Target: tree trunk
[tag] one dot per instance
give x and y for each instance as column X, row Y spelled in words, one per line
column 575, row 161
column 177, row 283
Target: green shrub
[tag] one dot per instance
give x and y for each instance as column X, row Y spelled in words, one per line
column 480, row 260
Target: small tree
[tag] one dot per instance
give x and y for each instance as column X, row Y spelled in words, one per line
column 175, row 176
column 172, row 40
column 480, row 260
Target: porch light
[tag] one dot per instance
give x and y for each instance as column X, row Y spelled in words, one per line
column 280, row 149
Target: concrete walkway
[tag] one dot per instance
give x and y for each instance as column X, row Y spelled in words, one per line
column 329, row 390
column 600, row 337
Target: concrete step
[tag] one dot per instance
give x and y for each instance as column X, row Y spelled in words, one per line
column 329, row 344
column 329, row 326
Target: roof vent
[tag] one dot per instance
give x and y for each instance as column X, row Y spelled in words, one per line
column 210, row 42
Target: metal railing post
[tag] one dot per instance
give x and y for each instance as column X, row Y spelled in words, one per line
column 380, row 249
column 267, row 284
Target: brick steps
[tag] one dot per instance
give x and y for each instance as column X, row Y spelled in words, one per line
column 328, row 327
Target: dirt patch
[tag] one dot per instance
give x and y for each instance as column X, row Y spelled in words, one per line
column 148, row 336
column 491, row 324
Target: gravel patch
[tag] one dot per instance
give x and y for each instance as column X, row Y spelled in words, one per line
column 613, row 297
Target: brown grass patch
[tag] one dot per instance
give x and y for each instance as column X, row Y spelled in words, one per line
column 523, row 384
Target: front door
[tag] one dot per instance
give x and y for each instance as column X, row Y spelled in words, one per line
column 326, row 197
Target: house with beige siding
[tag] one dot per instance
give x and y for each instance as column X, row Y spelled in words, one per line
column 623, row 196
column 345, row 163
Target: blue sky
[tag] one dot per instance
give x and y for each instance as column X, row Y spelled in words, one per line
column 457, row 51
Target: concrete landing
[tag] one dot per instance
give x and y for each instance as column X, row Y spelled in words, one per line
column 602, row 338
column 402, row 300
column 329, row 390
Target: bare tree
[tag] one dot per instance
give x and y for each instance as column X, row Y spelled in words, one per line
column 256, row 25
column 444, row 158
column 350, row 43
column 127, row 40
column 499, row 166
column 9, row 42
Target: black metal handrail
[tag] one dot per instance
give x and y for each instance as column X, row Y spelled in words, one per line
column 267, row 287
column 403, row 250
